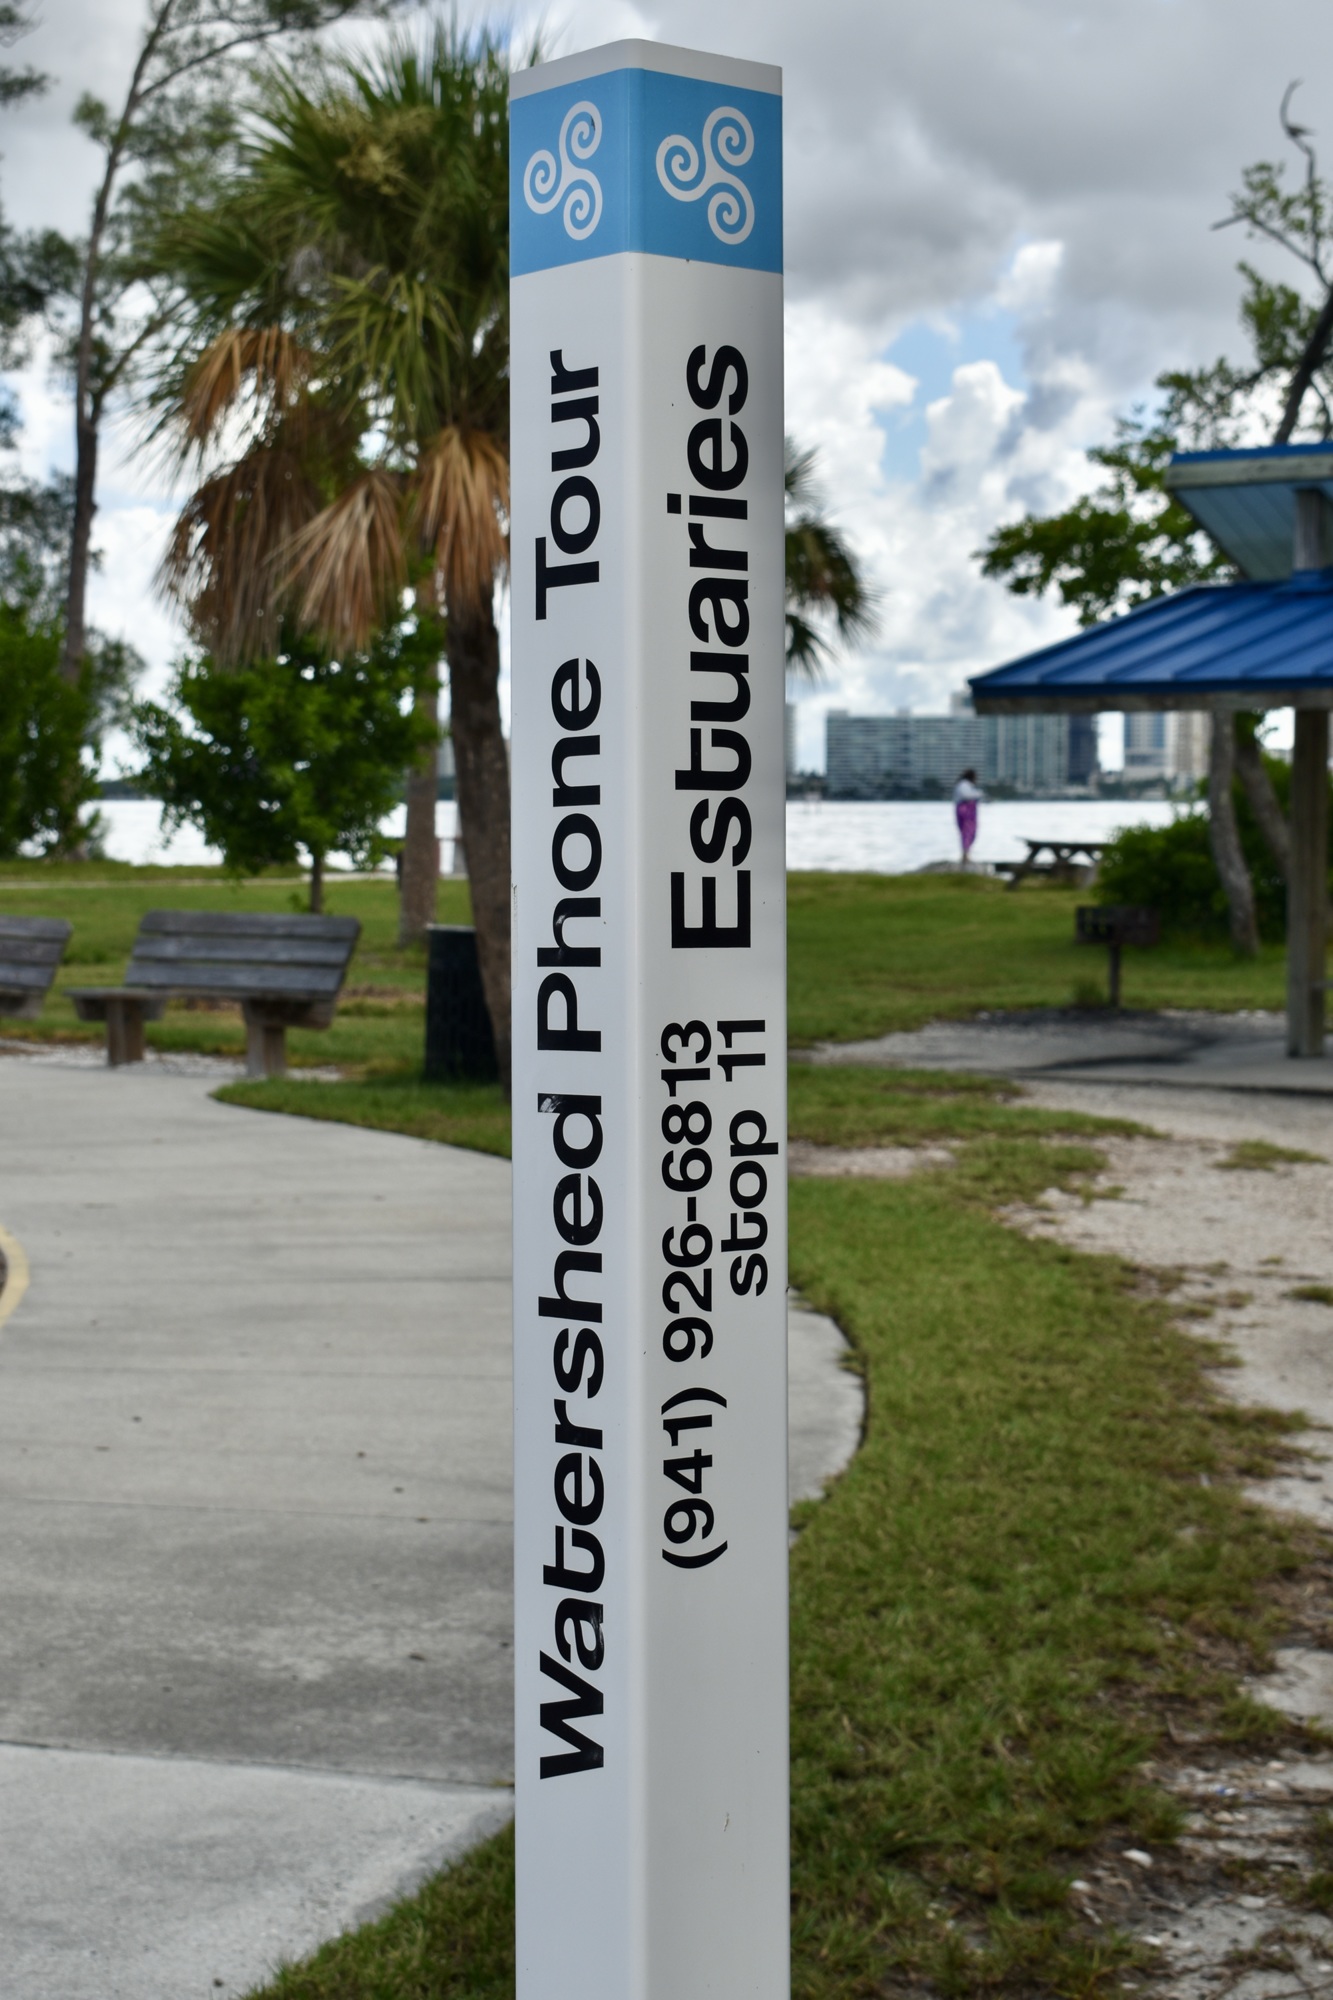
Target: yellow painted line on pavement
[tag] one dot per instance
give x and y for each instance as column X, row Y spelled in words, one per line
column 16, row 1274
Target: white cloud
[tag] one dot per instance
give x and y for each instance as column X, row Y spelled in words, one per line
column 989, row 450
column 1030, row 284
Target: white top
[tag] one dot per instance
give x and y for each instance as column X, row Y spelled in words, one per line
column 732, row 72
column 965, row 789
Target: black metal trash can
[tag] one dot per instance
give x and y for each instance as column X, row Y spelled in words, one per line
column 459, row 1044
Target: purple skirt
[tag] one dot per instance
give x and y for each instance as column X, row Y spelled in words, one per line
column 965, row 812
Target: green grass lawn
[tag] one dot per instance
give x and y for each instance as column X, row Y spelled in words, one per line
column 1040, row 1554
column 868, row 953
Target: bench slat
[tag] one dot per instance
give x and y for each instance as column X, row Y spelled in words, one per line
column 260, row 924
column 54, row 928
column 248, row 955
column 31, row 951
column 237, row 951
column 30, row 977
column 292, row 981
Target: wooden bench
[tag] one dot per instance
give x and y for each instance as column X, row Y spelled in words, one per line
column 31, row 949
column 286, row 972
column 1072, row 861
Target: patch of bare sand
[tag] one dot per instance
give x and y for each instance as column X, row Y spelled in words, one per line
column 1242, row 1243
column 885, row 1163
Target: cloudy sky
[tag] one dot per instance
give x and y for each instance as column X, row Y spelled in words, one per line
column 998, row 232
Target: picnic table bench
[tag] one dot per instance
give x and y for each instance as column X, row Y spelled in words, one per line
column 286, row 972
column 31, row 949
column 1064, row 863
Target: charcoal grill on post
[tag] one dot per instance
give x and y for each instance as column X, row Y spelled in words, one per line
column 1114, row 925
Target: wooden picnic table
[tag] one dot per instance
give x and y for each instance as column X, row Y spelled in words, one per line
column 1069, row 861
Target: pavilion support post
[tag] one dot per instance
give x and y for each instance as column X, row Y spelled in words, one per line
column 1307, row 893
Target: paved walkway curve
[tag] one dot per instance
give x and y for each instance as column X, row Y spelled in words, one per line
column 255, row 1526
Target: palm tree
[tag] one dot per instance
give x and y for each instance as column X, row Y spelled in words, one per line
column 824, row 579
column 341, row 386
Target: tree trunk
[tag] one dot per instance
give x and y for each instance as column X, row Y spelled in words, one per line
column 1263, row 801
column 421, row 850
column 1224, row 837
column 80, row 545
column 316, row 884
column 483, row 803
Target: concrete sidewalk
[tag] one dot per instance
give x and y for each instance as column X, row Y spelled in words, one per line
column 1172, row 1050
column 255, row 1527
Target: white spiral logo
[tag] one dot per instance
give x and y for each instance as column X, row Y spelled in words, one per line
column 546, row 184
column 728, row 142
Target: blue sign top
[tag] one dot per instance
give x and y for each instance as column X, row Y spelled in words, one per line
column 641, row 158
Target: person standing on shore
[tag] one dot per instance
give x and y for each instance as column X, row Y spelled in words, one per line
column 967, row 795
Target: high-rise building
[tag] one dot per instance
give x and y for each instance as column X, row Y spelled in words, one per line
column 789, row 737
column 1193, row 731
column 1170, row 745
column 1084, row 762
column 913, row 756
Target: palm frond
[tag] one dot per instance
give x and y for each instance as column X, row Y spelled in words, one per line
column 348, row 563
column 460, row 499
column 799, row 483
column 218, row 562
column 264, row 362
column 397, row 334
column 825, row 585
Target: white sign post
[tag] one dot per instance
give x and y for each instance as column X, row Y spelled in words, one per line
column 650, row 1251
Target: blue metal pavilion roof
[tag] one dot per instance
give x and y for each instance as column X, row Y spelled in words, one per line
column 1229, row 645
column 1246, row 500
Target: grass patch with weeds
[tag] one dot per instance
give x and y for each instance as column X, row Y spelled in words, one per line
column 845, row 1105
column 1258, row 1156
column 1315, row 1295
column 1040, row 1555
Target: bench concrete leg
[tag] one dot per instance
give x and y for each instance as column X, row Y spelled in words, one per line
column 265, row 1048
column 124, row 1032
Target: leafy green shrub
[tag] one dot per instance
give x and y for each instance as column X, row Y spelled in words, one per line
column 303, row 751
column 45, row 782
column 1171, row 868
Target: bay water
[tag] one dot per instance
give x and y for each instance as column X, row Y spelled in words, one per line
column 881, row 837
